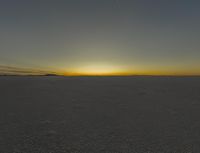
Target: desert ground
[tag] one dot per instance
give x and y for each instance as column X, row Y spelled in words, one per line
column 52, row 114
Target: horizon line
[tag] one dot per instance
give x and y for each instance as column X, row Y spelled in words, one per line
column 136, row 75
column 22, row 71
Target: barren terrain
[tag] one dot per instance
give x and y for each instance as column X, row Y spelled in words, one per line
column 99, row 114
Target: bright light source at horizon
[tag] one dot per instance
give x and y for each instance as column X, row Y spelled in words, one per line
column 99, row 69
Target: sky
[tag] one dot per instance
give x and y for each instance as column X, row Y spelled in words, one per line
column 100, row 37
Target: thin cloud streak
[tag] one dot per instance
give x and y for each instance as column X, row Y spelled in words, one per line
column 7, row 70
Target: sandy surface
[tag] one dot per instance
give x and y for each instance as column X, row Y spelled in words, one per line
column 99, row 115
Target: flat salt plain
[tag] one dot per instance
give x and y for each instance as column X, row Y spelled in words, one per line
column 99, row 114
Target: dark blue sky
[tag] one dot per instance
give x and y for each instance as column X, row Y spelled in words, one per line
column 87, row 36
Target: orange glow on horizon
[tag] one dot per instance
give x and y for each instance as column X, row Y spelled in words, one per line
column 108, row 69
column 98, row 71
column 132, row 73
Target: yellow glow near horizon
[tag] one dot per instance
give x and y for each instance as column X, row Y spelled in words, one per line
column 98, row 70
column 113, row 70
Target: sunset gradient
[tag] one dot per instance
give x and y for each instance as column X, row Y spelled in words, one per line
column 100, row 37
